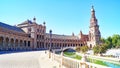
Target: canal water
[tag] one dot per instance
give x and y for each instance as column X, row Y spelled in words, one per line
column 112, row 65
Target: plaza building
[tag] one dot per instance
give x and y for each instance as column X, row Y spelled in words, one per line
column 29, row 35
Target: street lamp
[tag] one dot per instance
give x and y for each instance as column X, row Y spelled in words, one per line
column 50, row 49
column 61, row 64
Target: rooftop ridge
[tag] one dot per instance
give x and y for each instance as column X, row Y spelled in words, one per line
column 10, row 27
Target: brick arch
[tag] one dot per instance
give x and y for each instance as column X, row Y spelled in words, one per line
column 7, row 41
column 11, row 41
column 66, row 48
column 16, row 43
column 21, row 43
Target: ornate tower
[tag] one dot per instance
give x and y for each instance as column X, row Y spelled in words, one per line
column 94, row 32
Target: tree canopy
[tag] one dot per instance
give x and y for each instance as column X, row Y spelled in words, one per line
column 112, row 41
column 82, row 49
column 108, row 43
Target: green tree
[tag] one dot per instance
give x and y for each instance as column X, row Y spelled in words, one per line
column 96, row 49
column 111, row 41
column 118, row 44
column 115, row 40
column 77, row 48
column 108, row 42
column 103, row 40
column 99, row 49
column 103, row 48
column 82, row 49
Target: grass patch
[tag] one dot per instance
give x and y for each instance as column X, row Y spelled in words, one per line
column 96, row 61
column 72, row 55
column 78, row 57
column 69, row 53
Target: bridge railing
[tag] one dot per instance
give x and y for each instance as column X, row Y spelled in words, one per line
column 74, row 63
column 57, row 57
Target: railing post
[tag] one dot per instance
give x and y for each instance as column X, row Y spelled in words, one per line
column 62, row 59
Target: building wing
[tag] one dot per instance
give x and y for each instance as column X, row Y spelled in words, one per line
column 62, row 36
column 9, row 27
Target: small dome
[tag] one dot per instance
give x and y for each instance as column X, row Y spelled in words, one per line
column 92, row 9
column 44, row 23
column 34, row 18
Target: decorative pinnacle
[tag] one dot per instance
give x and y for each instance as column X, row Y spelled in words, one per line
column 92, row 8
column 44, row 23
column 34, row 19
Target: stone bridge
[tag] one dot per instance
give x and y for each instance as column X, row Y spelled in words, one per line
column 65, row 48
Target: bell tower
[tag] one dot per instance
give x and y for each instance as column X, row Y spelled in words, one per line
column 94, row 32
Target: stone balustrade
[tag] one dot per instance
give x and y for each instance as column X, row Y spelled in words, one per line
column 74, row 63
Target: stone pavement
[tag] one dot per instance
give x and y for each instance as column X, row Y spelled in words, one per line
column 34, row 59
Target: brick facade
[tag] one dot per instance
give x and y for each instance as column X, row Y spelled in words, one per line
column 30, row 35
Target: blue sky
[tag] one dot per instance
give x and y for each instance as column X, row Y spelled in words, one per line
column 63, row 16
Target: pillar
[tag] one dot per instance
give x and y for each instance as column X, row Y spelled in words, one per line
column 44, row 44
column 22, row 46
column 18, row 46
column 27, row 44
column 3, row 43
column 8, row 44
column 14, row 46
column 31, row 44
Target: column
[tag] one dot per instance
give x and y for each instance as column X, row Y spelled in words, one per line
column 3, row 42
column 27, row 45
column 22, row 47
column 18, row 46
column 8, row 44
column 14, row 46
column 31, row 45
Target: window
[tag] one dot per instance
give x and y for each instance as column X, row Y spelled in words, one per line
column 37, row 30
column 29, row 35
column 28, row 43
column 37, row 36
column 29, row 29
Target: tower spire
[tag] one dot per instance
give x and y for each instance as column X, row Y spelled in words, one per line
column 92, row 12
column 94, row 32
column 92, row 9
column 93, row 20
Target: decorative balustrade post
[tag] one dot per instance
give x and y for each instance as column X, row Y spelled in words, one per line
column 53, row 55
column 61, row 60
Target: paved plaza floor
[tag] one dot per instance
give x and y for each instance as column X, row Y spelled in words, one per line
column 34, row 59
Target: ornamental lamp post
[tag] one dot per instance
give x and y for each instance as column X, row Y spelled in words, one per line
column 61, row 64
column 50, row 49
